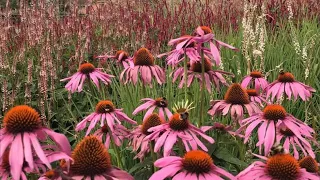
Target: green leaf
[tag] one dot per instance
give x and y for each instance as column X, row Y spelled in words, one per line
column 145, row 163
column 225, row 155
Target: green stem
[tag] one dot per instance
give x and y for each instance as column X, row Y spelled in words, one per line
column 114, row 147
column 202, row 91
column 154, row 156
column 185, row 75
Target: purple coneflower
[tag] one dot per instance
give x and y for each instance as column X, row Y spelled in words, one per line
column 178, row 127
column 310, row 164
column 86, row 70
column 151, row 104
column 22, row 130
column 235, row 100
column 143, row 62
column 279, row 166
column 59, row 173
column 122, row 58
column 211, row 76
column 138, row 135
column 257, row 80
column 117, row 135
column 195, row 165
column 107, row 114
column 270, row 120
column 288, row 85
column 220, row 128
column 255, row 97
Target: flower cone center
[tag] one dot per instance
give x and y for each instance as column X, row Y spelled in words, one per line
column 286, row 132
column 252, row 92
column 206, row 29
column 197, row 66
column 50, row 174
column 90, row 158
column 151, row 121
column 256, row 74
column 21, row 119
column 104, row 107
column 125, row 55
column 274, row 112
column 197, row 161
column 309, row 164
column 143, row 57
column 192, row 44
column 283, row 167
column 236, row 95
column 285, row 77
column 179, row 121
column 161, row 102
column 86, row 68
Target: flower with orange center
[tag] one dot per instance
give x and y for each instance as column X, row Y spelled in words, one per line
column 255, row 80
column 92, row 160
column 310, row 164
column 235, row 100
column 21, row 130
column 150, row 105
column 180, row 127
column 279, row 166
column 286, row 85
column 219, row 127
column 117, row 135
column 195, row 165
column 107, row 114
column 270, row 121
column 144, row 64
column 255, row 97
column 121, row 56
column 86, row 70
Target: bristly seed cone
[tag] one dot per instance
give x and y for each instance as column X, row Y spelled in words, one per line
column 197, row 161
column 104, row 129
column 283, row 167
column 90, row 158
column 252, row 92
column 50, row 174
column 197, row 66
column 151, row 121
column 236, row 95
column 286, row 132
column 21, row 119
column 309, row 164
column 105, row 107
column 143, row 57
column 256, row 74
column 274, row 112
column 125, row 55
column 206, row 29
column 285, row 77
column 179, row 121
column 86, row 68
column 161, row 102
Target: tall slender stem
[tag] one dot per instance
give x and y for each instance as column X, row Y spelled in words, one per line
column 202, row 90
column 185, row 75
column 153, row 155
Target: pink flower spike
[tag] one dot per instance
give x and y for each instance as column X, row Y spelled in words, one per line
column 195, row 165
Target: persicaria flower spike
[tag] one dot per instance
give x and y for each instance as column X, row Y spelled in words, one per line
column 86, row 70
column 255, row 80
column 195, row 165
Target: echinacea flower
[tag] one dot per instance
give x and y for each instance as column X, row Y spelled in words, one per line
column 22, row 130
column 195, row 165
column 107, row 114
column 279, row 166
column 92, row 161
column 291, row 140
column 144, row 64
column 121, row 56
column 58, row 173
column 255, row 80
column 286, row 84
column 139, row 134
column 310, row 164
column 86, row 70
column 255, row 97
column 117, row 135
column 273, row 117
column 211, row 77
column 160, row 103
column 235, row 100
column 220, row 128
column 177, row 127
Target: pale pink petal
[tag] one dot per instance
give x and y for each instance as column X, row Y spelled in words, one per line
column 16, row 157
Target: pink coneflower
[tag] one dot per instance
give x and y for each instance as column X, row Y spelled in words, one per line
column 255, row 97
column 288, row 85
column 220, row 128
column 151, row 104
column 270, row 120
column 212, row 77
column 22, row 132
column 122, row 58
column 59, row 173
column 107, row 114
column 92, row 161
column 235, row 100
column 178, row 127
column 310, row 164
column 144, row 64
column 195, row 165
column 138, row 135
column 256, row 80
column 86, row 70
column 117, row 135
column 291, row 140
column 279, row 166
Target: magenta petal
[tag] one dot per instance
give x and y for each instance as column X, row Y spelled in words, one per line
column 269, row 139
column 16, row 157
column 165, row 172
column 28, row 150
column 5, row 141
column 38, row 150
column 165, row 161
column 60, row 139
